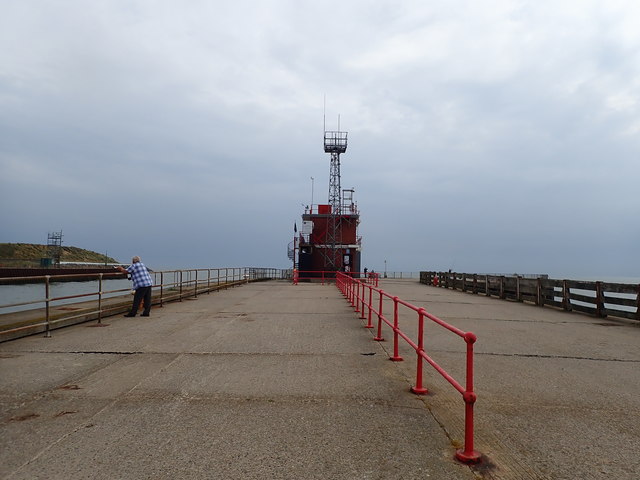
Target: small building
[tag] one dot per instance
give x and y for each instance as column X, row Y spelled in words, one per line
column 328, row 240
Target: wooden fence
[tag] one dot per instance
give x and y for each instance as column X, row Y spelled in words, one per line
column 595, row 298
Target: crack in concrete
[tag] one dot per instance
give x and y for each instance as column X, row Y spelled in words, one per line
column 244, row 354
column 569, row 357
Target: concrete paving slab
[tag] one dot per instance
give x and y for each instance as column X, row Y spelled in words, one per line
column 142, row 437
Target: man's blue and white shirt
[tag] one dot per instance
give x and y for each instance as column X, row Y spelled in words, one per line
column 139, row 275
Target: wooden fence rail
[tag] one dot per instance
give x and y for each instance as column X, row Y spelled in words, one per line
column 595, row 298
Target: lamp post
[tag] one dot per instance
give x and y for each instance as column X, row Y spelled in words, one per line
column 295, row 248
column 311, row 210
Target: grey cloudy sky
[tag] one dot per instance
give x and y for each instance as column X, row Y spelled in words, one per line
column 495, row 136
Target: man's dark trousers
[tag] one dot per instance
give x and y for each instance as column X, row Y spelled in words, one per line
column 141, row 293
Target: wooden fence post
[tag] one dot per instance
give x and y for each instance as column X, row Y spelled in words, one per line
column 600, row 310
column 540, row 300
column 566, row 296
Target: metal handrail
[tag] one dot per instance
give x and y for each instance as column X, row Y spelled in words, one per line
column 188, row 283
column 356, row 293
column 329, row 276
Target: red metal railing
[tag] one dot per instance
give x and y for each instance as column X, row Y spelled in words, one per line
column 330, row 276
column 356, row 293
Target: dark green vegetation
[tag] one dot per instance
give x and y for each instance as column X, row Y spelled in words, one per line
column 29, row 255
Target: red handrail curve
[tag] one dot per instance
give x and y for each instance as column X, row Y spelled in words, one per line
column 329, row 276
column 356, row 293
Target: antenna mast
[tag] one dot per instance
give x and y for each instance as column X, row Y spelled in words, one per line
column 328, row 240
column 335, row 143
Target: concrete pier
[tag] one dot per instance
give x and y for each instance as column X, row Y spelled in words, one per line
column 272, row 380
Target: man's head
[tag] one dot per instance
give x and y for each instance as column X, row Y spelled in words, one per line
column 135, row 259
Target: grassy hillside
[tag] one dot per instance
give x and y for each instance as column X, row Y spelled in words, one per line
column 29, row 254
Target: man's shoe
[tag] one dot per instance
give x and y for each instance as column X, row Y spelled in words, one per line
column 144, row 315
column 129, row 315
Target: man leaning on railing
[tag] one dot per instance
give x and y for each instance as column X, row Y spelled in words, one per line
column 142, row 284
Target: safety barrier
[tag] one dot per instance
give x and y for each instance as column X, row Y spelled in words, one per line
column 329, row 276
column 596, row 298
column 360, row 295
column 169, row 285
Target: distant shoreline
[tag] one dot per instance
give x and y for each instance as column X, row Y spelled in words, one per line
column 13, row 276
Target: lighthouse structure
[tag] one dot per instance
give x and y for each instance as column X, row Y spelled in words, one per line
column 328, row 240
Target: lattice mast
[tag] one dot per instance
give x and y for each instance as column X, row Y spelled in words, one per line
column 335, row 143
column 54, row 247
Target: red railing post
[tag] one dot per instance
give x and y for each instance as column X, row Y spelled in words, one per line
column 362, row 299
column 468, row 454
column 396, row 355
column 354, row 294
column 369, row 324
column 379, row 337
column 418, row 389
